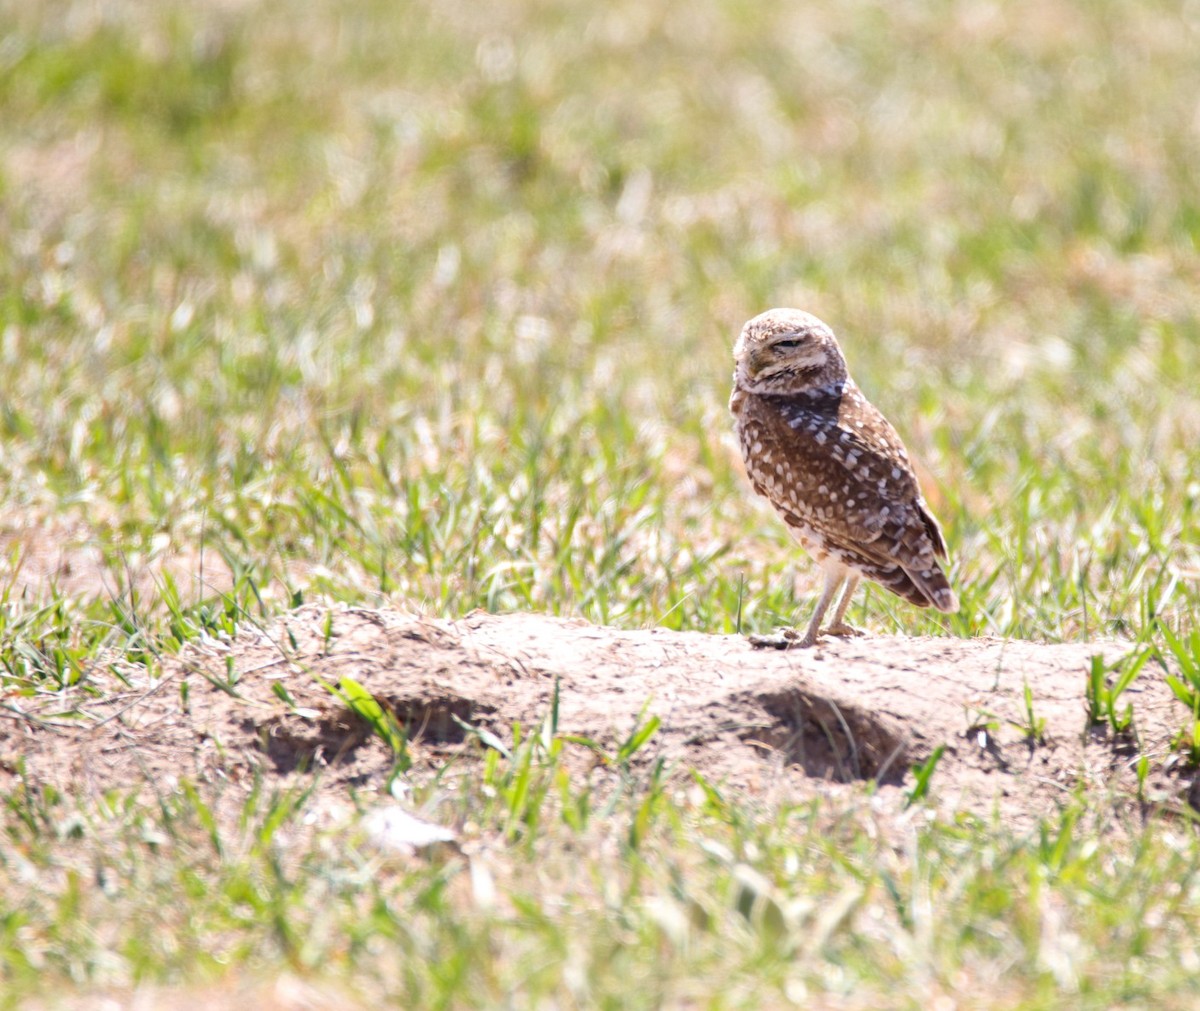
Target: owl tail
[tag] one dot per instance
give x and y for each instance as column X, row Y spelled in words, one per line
column 925, row 588
column 936, row 589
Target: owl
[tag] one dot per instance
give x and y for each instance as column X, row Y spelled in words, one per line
column 833, row 468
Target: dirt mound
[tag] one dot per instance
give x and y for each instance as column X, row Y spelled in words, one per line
column 760, row 721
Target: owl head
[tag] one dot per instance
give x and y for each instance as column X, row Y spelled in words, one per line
column 784, row 351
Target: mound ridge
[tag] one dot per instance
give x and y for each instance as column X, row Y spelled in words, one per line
column 823, row 719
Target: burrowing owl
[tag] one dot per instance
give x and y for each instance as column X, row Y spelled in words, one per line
column 832, row 467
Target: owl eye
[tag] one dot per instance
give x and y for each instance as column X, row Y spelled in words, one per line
column 787, row 345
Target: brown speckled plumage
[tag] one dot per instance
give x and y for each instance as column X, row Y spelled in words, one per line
column 832, row 466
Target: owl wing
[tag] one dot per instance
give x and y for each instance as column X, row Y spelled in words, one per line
column 871, row 449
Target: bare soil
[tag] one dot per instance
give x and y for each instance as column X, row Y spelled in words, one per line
column 756, row 721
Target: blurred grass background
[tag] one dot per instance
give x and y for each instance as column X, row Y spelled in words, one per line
column 436, row 303
column 431, row 304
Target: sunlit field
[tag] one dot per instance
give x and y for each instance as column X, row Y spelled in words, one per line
column 430, row 305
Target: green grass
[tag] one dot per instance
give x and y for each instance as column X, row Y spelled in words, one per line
column 432, row 304
column 683, row 895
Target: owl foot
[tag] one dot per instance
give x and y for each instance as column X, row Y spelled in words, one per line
column 841, row 629
column 785, row 638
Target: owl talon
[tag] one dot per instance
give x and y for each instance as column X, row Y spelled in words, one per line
column 785, row 638
column 842, row 630
column 777, row 641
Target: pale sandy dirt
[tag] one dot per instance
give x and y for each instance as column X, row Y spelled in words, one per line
column 761, row 723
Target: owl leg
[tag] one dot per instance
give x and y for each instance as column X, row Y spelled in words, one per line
column 833, row 580
column 790, row 638
column 838, row 626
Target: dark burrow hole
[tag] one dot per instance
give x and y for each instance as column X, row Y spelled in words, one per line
column 828, row 741
column 435, row 718
column 291, row 742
